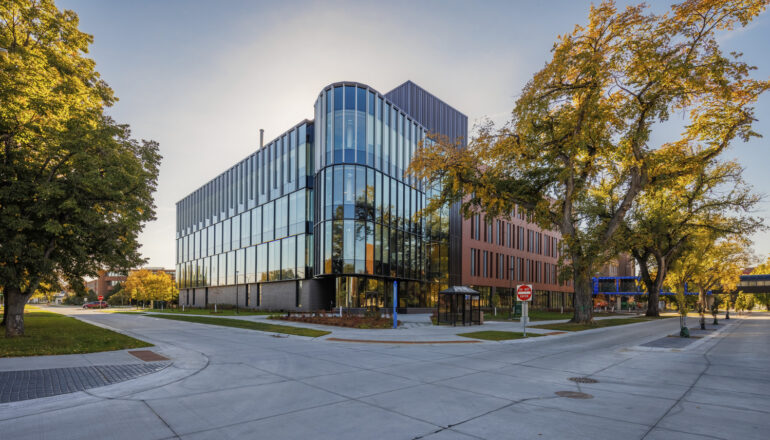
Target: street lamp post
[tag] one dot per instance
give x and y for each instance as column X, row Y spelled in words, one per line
column 236, row 292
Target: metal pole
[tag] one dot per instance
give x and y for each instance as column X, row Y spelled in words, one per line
column 394, row 313
column 525, row 316
column 236, row 292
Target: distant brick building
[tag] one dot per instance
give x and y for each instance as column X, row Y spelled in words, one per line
column 107, row 280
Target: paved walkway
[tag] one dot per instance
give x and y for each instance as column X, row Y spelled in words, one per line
column 232, row 383
column 414, row 328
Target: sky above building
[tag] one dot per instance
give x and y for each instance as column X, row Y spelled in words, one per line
column 202, row 77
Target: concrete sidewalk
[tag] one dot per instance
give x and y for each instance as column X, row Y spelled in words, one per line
column 234, row 383
column 413, row 328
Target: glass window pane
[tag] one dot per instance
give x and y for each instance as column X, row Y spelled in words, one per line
column 348, row 196
column 262, row 262
column 348, row 247
column 268, row 224
column 226, row 237
column 288, row 258
column 338, row 114
column 251, row 264
column 360, row 197
column 361, row 126
column 282, row 217
column 274, row 261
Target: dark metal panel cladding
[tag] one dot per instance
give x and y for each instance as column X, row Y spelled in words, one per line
column 438, row 117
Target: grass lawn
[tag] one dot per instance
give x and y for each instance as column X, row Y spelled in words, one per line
column 538, row 315
column 249, row 325
column 49, row 333
column 493, row 335
column 573, row 327
column 220, row 312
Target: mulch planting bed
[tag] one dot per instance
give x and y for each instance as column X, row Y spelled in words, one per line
column 344, row 321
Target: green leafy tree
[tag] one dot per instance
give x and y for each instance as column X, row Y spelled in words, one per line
column 658, row 227
column 763, row 269
column 75, row 188
column 745, row 301
column 577, row 152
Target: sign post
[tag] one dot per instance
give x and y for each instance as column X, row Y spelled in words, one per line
column 100, row 298
column 524, row 294
column 395, row 303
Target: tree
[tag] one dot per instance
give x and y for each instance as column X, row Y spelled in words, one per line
column 75, row 188
column 711, row 263
column 160, row 287
column 763, row 269
column 143, row 285
column 658, row 227
column 745, row 301
column 577, row 151
column 135, row 285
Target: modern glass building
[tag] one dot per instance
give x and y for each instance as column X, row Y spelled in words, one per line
column 322, row 216
column 325, row 216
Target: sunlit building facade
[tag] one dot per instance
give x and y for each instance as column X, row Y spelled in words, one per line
column 323, row 216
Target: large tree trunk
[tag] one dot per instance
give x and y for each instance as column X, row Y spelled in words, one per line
column 15, row 302
column 584, row 305
column 5, row 309
column 702, row 308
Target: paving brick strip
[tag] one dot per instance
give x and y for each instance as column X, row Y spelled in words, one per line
column 33, row 384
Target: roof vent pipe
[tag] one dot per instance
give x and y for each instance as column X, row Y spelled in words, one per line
column 261, row 138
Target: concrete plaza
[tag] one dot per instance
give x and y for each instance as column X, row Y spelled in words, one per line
column 231, row 383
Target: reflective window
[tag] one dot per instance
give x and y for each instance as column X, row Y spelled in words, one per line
column 240, row 266
column 222, row 269
column 262, row 262
column 361, row 126
column 348, row 247
column 339, row 182
column 256, row 225
column 348, row 195
column 378, row 134
column 274, row 260
column 370, row 130
column 282, row 217
column 226, row 237
column 288, row 258
column 210, row 247
column 338, row 100
column 231, row 268
column 215, row 270
column 268, row 225
column 251, row 264
column 236, row 233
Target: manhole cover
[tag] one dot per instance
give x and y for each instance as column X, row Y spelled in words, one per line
column 583, row 380
column 573, row 395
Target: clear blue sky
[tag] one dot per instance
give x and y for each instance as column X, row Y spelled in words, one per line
column 202, row 77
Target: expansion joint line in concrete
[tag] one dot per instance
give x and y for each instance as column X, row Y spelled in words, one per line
column 508, row 405
column 690, row 388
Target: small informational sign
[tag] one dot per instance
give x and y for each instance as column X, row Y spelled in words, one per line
column 524, row 292
column 100, row 297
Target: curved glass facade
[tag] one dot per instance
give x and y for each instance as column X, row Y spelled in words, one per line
column 367, row 228
column 329, row 202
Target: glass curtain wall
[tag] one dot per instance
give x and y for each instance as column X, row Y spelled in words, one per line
column 254, row 220
column 368, row 226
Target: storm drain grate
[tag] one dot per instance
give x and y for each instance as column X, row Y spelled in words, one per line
column 583, row 380
column 148, row 356
column 573, row 395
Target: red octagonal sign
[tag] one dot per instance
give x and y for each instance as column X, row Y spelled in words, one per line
column 524, row 292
